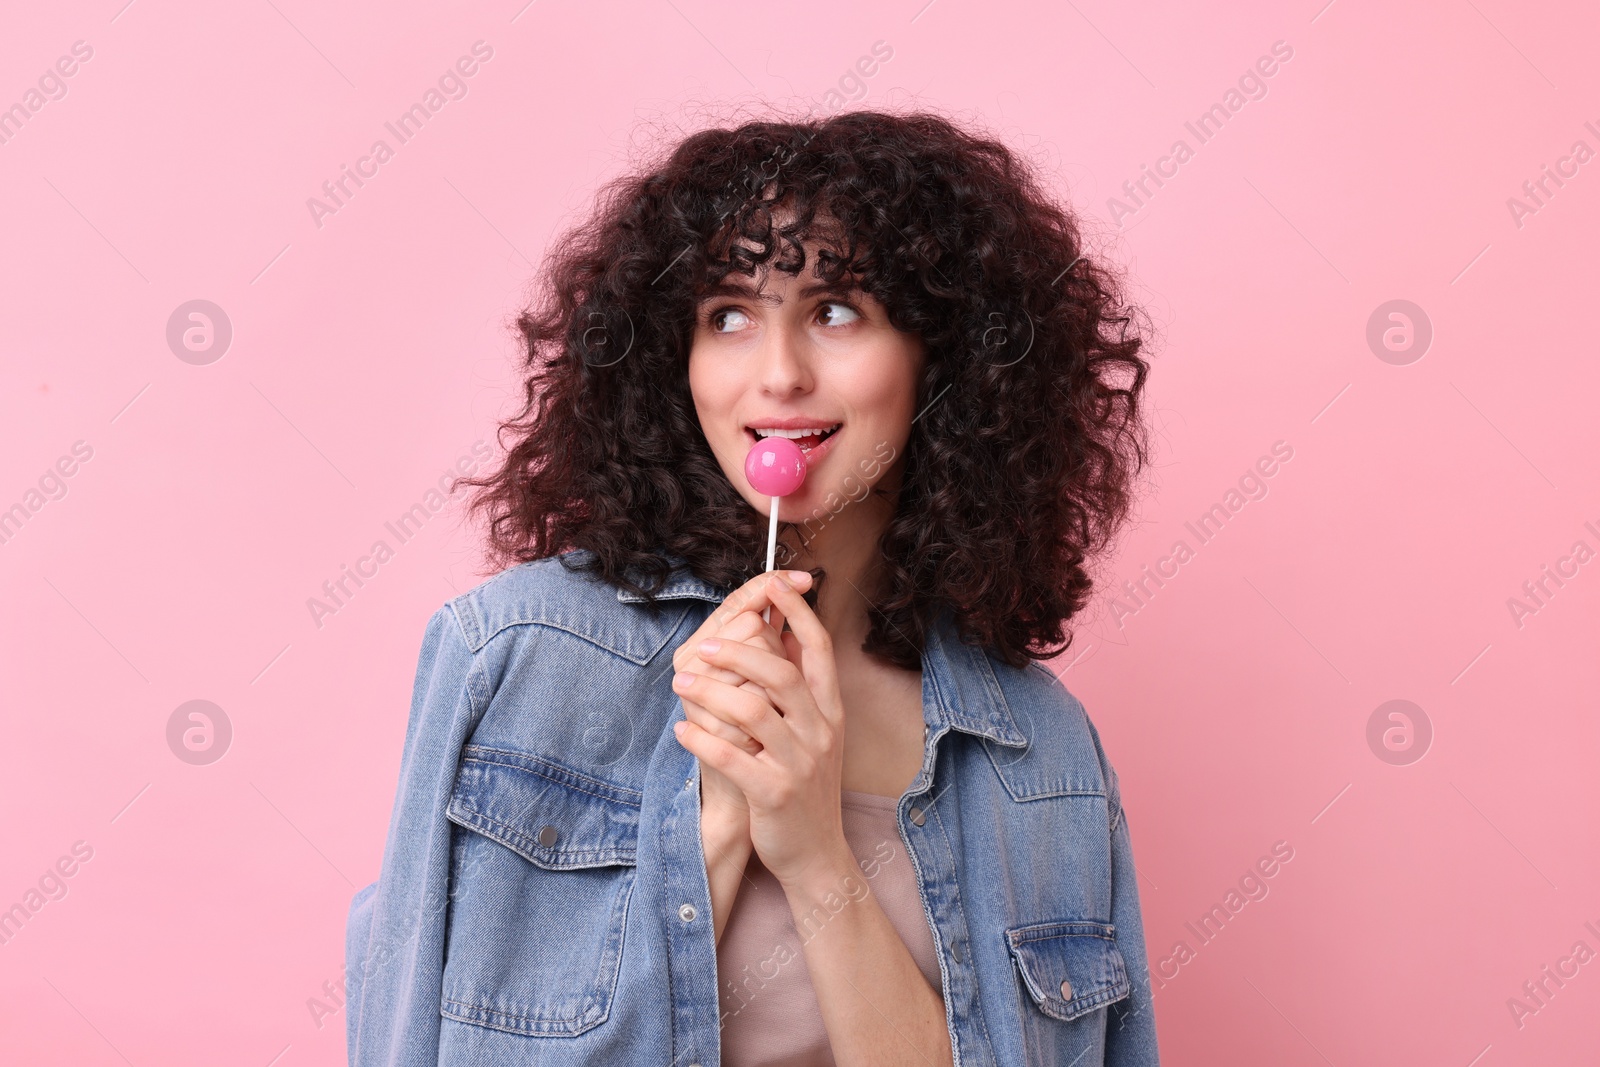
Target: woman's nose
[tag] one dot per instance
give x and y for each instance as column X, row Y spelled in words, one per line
column 784, row 362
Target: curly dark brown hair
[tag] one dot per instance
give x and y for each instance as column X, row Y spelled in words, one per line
column 1020, row 466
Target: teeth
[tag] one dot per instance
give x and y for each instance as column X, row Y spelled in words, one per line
column 794, row 435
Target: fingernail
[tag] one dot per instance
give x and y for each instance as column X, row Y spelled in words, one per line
column 682, row 679
column 677, row 729
column 797, row 576
column 710, row 647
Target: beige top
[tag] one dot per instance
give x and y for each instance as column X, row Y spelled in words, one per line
column 770, row 1016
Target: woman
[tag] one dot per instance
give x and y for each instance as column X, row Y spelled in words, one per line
column 639, row 823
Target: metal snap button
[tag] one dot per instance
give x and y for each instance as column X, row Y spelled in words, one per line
column 916, row 816
column 687, row 913
column 1066, row 989
column 548, row 835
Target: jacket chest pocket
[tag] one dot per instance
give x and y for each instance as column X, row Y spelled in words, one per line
column 1069, row 968
column 542, row 869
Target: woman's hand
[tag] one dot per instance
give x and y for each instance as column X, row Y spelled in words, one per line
column 792, row 785
column 737, row 619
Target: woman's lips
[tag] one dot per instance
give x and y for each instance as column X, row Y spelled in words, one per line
column 813, row 452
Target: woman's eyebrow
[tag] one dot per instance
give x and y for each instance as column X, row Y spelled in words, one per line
column 831, row 289
column 737, row 288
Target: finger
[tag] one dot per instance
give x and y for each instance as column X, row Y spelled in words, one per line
column 737, row 624
column 713, row 725
column 791, row 647
column 782, row 679
column 816, row 644
column 736, row 765
column 712, row 624
column 741, row 627
column 776, row 620
column 747, row 627
column 754, row 715
column 753, row 595
column 744, row 626
column 802, row 620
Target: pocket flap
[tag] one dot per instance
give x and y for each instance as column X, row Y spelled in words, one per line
column 548, row 814
column 1069, row 967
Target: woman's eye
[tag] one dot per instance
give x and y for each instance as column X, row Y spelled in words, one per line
column 719, row 318
column 850, row 313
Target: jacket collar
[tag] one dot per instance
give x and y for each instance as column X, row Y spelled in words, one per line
column 966, row 694
column 680, row 585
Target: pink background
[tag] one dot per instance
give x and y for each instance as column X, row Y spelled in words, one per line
column 369, row 354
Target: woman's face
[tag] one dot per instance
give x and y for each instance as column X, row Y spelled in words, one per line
column 785, row 352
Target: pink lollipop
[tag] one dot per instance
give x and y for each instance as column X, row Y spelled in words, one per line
column 776, row 467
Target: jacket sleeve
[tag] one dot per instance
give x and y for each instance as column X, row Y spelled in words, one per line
column 395, row 936
column 1131, row 1023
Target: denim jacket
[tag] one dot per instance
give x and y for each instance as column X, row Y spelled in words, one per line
column 543, row 897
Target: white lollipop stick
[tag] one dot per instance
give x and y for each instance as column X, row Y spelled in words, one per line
column 772, row 551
